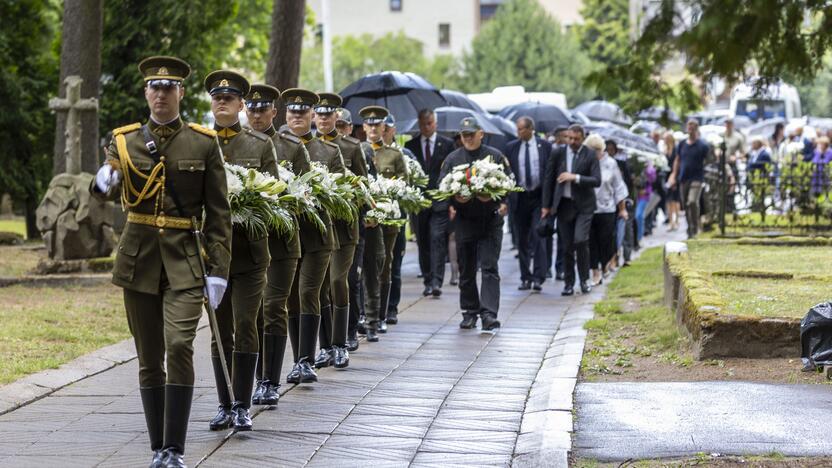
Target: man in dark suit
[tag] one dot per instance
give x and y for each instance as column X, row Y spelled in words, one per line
column 569, row 193
column 528, row 156
column 430, row 150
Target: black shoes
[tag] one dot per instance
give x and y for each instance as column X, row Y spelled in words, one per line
column 294, row 375
column 468, row 322
column 241, row 418
column 381, row 327
column 342, row 357
column 427, row 291
column 257, row 396
column 352, row 341
column 524, row 286
column 392, row 317
column 270, row 394
column 361, row 327
column 173, row 458
column 537, row 286
column 274, row 348
column 490, row 322
column 222, row 420
column 372, row 336
column 436, row 292
column 324, row 358
column 307, row 374
column 585, row 287
column 567, row 291
column 559, row 276
column 158, row 460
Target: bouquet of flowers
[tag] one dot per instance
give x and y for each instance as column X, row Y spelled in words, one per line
column 483, row 177
column 409, row 198
column 256, row 202
column 332, row 196
column 300, row 198
column 641, row 159
column 356, row 188
column 386, row 213
column 417, row 176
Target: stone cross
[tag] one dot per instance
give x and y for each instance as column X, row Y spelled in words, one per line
column 72, row 104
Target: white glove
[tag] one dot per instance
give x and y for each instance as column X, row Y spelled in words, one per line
column 215, row 289
column 106, row 178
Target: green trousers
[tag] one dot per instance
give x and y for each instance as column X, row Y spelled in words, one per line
column 309, row 278
column 280, row 278
column 237, row 313
column 373, row 264
column 164, row 323
column 390, row 234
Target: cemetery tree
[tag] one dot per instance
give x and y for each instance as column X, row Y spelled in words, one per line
column 285, row 45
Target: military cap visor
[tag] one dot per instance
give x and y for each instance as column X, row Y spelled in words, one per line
column 299, row 100
column 469, row 125
column 163, row 67
column 373, row 114
column 328, row 103
column 261, row 96
column 226, row 82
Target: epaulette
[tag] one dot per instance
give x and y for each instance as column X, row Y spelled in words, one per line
column 329, row 143
column 351, row 139
column 200, row 129
column 127, row 129
column 256, row 134
column 290, row 137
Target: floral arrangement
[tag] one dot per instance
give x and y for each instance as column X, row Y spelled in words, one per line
column 385, row 208
column 483, row 177
column 333, row 194
column 417, row 176
column 256, row 202
column 641, row 159
column 409, row 198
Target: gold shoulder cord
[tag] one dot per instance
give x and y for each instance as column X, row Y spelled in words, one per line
column 153, row 183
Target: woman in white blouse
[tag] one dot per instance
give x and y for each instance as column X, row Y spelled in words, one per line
column 610, row 197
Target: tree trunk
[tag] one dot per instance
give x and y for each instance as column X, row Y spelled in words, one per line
column 283, row 68
column 80, row 55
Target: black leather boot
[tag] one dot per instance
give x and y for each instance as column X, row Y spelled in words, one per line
column 153, row 401
column 352, row 340
column 381, row 326
column 178, row 400
column 324, row 357
column 372, row 335
column 257, row 396
column 223, row 418
column 274, row 348
column 340, row 322
column 294, row 337
column 245, row 365
column 308, row 332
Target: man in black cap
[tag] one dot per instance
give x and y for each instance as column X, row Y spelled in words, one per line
column 167, row 172
column 284, row 250
column 237, row 313
column 333, row 331
column 316, row 246
column 479, row 233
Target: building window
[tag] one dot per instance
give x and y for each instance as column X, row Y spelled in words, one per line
column 396, row 5
column 444, row 35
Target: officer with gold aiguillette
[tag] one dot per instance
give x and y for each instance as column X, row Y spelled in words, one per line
column 167, row 174
column 237, row 313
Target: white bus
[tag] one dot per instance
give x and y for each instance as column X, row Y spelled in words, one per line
column 777, row 100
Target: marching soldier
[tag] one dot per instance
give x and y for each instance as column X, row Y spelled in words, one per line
column 388, row 162
column 167, row 172
column 272, row 321
column 316, row 247
column 333, row 333
column 237, row 313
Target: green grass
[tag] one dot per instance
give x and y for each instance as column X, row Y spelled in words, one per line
column 17, row 261
column 719, row 256
column 43, row 328
column 633, row 321
column 13, row 225
column 769, row 297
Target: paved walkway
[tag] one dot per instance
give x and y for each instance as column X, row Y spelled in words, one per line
column 428, row 394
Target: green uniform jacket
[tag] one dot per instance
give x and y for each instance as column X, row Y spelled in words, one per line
column 194, row 167
column 252, row 150
column 390, row 163
column 353, row 157
column 289, row 148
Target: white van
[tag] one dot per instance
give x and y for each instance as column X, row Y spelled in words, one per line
column 776, row 100
column 505, row 96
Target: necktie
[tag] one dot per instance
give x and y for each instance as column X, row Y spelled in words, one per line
column 528, row 169
column 427, row 152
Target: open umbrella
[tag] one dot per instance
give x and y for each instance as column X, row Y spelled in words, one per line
column 448, row 119
column 622, row 136
column 605, row 111
column 657, row 114
column 547, row 117
column 403, row 94
column 458, row 99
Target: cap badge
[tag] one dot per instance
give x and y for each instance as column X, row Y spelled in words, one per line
column 256, row 95
column 224, row 84
column 163, row 71
column 298, row 99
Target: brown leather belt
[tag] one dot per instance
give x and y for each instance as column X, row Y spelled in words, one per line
column 160, row 221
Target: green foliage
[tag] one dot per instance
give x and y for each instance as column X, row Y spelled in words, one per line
column 523, row 45
column 816, row 90
column 28, row 76
column 356, row 56
column 604, row 33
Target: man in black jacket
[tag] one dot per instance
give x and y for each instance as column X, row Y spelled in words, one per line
column 479, row 233
column 430, row 150
column 569, row 193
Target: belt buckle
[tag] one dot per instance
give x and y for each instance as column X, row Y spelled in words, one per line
column 161, row 221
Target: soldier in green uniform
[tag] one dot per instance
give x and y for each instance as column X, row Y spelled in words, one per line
column 316, row 247
column 272, row 321
column 237, row 313
column 333, row 333
column 390, row 163
column 166, row 173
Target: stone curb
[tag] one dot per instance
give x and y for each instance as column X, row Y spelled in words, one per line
column 91, row 279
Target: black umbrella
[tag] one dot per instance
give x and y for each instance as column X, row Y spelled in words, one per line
column 622, row 136
column 657, row 114
column 458, row 99
column 547, row 117
column 605, row 111
column 403, row 94
column 505, row 125
column 448, row 120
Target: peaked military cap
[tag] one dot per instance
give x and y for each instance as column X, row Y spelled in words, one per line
column 261, row 96
column 328, row 103
column 226, row 81
column 469, row 125
column 163, row 67
column 344, row 116
column 373, row 114
column 390, row 120
column 298, row 99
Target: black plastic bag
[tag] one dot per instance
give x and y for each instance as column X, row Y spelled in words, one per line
column 816, row 337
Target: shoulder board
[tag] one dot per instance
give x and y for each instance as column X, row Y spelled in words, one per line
column 290, row 137
column 351, row 139
column 256, row 134
column 200, row 129
column 127, row 129
column 329, row 143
